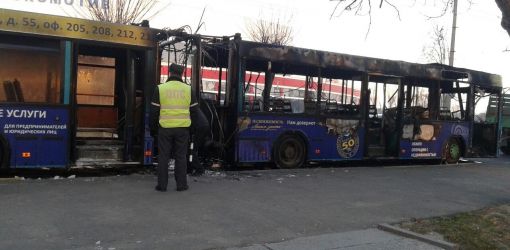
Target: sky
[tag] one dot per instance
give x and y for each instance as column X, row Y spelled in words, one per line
column 480, row 40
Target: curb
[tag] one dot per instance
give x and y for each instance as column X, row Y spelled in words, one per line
column 408, row 234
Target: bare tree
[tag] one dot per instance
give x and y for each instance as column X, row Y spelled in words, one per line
column 272, row 32
column 437, row 50
column 275, row 32
column 504, row 6
column 119, row 11
column 362, row 7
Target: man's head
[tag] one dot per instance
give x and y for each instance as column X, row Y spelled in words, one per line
column 176, row 70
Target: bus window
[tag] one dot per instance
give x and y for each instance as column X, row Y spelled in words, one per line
column 34, row 77
column 420, row 97
column 486, row 124
column 454, row 101
column 340, row 97
column 210, row 84
column 253, row 89
column 486, row 108
column 96, row 80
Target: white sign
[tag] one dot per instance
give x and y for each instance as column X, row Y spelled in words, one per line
column 105, row 4
column 22, row 113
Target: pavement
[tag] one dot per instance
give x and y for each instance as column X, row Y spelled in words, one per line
column 314, row 208
column 368, row 239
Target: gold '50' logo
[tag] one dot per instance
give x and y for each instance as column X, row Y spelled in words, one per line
column 347, row 143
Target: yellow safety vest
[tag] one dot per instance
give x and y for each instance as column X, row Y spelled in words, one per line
column 175, row 100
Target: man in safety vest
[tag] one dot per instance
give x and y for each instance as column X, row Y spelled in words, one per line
column 170, row 106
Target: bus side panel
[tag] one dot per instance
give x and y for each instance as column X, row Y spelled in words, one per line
column 419, row 148
column 254, row 149
column 326, row 140
column 38, row 136
column 337, row 140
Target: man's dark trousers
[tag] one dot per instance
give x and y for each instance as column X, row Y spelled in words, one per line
column 175, row 142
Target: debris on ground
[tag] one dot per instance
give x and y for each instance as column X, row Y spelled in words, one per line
column 71, row 176
column 215, row 173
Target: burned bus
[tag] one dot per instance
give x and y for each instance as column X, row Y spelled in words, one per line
column 340, row 107
column 74, row 91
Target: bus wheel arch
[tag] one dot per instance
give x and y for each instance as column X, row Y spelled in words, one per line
column 5, row 152
column 453, row 149
column 290, row 150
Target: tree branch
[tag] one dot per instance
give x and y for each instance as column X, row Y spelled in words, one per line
column 120, row 11
column 504, row 6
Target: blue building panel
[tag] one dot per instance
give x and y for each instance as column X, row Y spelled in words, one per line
column 38, row 136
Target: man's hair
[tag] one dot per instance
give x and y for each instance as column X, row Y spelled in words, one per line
column 176, row 69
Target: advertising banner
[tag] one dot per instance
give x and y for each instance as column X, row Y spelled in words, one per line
column 74, row 28
column 38, row 136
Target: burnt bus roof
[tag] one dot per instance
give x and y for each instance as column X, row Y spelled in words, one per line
column 294, row 60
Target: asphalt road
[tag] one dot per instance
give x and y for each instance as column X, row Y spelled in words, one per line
column 237, row 208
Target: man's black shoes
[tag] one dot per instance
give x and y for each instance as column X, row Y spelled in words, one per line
column 158, row 188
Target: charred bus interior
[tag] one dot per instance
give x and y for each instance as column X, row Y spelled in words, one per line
column 111, row 84
column 396, row 104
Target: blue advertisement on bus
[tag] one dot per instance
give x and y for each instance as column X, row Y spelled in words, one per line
column 325, row 139
column 427, row 140
column 37, row 136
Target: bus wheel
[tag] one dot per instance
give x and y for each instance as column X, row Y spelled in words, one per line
column 4, row 152
column 289, row 152
column 505, row 150
column 452, row 151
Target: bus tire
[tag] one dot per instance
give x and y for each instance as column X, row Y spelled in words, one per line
column 505, row 144
column 452, row 151
column 289, row 152
column 505, row 150
column 5, row 152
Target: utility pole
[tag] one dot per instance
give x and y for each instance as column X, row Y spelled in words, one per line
column 446, row 100
column 454, row 29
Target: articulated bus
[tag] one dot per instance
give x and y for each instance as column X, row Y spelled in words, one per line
column 74, row 91
column 338, row 107
column 77, row 92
